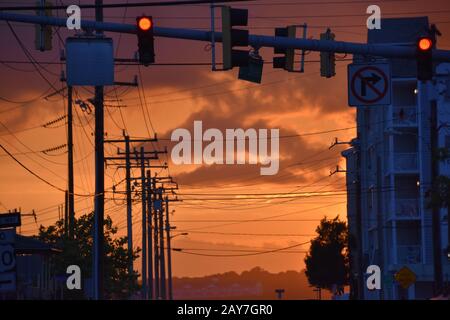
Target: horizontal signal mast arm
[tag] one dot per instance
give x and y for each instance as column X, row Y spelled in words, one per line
column 257, row 41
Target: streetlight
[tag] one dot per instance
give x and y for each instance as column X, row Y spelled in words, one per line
column 169, row 260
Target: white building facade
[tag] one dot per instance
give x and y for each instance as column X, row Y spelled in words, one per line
column 390, row 175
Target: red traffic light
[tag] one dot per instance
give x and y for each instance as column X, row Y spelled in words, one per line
column 425, row 44
column 144, row 23
column 144, row 26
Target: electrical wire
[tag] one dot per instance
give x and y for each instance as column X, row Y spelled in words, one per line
column 245, row 254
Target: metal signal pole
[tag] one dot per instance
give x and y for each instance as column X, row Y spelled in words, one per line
column 382, row 50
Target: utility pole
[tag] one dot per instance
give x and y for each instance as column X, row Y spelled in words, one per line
column 144, row 227
column 279, row 293
column 71, row 204
column 155, row 241
column 356, row 261
column 142, row 161
column 162, row 260
column 99, row 209
column 318, row 292
column 159, row 228
column 169, row 251
column 129, row 204
column 66, row 213
column 149, row 236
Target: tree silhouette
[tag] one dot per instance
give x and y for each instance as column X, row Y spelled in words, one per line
column 78, row 251
column 327, row 262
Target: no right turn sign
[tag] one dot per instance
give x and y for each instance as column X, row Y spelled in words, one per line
column 369, row 84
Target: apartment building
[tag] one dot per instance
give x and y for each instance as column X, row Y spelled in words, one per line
column 390, row 174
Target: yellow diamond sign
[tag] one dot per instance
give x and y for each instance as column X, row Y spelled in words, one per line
column 405, row 277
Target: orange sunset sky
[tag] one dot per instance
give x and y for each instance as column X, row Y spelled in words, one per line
column 176, row 96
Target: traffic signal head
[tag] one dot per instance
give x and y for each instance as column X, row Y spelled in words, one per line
column 424, row 54
column 145, row 23
column 146, row 48
column 234, row 37
column 327, row 59
column 44, row 33
column 425, row 44
column 287, row 61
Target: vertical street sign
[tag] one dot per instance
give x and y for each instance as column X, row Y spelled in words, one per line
column 369, row 84
column 7, row 260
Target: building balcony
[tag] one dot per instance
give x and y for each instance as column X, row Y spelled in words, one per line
column 409, row 254
column 407, row 208
column 406, row 162
column 405, row 116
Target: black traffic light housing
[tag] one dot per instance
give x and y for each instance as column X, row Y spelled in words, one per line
column 234, row 37
column 287, row 60
column 327, row 59
column 146, row 47
column 424, row 54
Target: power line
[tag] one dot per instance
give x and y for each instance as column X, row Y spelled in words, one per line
column 267, row 217
column 30, row 57
column 309, row 3
column 305, row 194
column 39, row 177
column 191, row 2
column 3, row 206
column 245, row 254
column 236, row 250
column 226, row 221
column 251, row 234
column 305, row 134
column 123, row 5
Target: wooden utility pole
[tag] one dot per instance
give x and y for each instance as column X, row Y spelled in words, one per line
column 71, row 195
column 99, row 205
column 155, row 242
column 129, row 204
column 140, row 160
column 169, row 253
column 162, row 259
column 148, row 188
column 144, row 226
column 66, row 213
